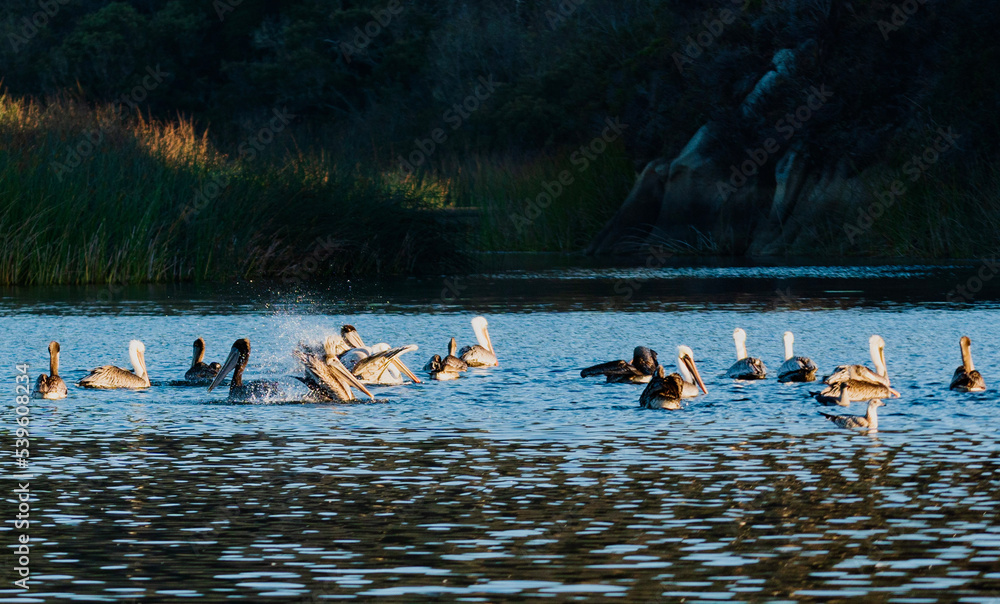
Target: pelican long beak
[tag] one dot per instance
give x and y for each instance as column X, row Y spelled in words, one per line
column 406, row 370
column 346, row 374
column 352, row 337
column 694, row 371
column 141, row 357
column 231, row 361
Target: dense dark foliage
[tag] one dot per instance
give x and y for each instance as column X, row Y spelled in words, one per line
column 367, row 79
column 386, row 71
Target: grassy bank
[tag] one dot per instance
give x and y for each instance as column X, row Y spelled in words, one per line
column 91, row 196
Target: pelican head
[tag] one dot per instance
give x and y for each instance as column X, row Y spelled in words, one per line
column 740, row 337
column 644, row 359
column 237, row 359
column 349, row 333
column 199, row 351
column 687, row 368
column 789, row 341
column 137, row 354
column 876, row 346
column 480, row 327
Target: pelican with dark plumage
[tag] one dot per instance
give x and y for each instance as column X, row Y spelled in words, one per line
column 51, row 386
column 248, row 392
column 663, row 391
column 795, row 369
column 966, row 378
column 111, row 377
column 481, row 354
column 451, row 362
column 639, row 371
column 745, row 367
column 200, row 372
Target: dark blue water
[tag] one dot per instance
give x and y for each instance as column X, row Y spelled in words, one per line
column 522, row 480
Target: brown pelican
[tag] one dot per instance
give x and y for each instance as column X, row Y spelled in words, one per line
column 51, row 386
column 376, row 364
column 795, row 369
column 860, row 373
column 110, row 377
column 254, row 391
column 857, row 382
column 451, row 362
column 689, row 373
column 441, row 371
column 200, row 373
column 745, row 367
column 868, row 420
column 663, row 391
column 481, row 354
column 966, row 378
column 639, row 371
column 328, row 381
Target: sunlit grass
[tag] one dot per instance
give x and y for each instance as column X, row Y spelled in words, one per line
column 89, row 196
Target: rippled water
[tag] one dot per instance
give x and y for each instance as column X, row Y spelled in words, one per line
column 524, row 480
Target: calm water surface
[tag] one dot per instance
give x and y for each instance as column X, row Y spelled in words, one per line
column 524, row 480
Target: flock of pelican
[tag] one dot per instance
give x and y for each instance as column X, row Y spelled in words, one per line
column 342, row 363
column 846, row 384
column 333, row 369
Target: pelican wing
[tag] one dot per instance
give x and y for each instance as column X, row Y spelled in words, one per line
column 856, row 373
column 797, row 369
column 967, row 381
column 853, row 391
column 477, row 356
column 50, row 387
column 748, row 368
column 109, row 376
column 201, row 372
column 663, row 392
column 327, row 381
column 373, row 368
column 617, row 371
column 454, row 363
